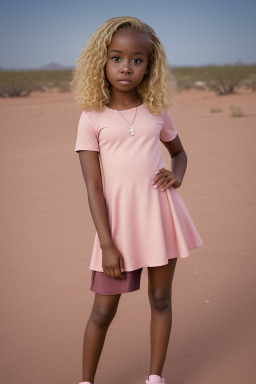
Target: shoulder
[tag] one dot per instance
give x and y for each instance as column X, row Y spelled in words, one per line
column 165, row 114
column 91, row 117
column 160, row 111
column 91, row 114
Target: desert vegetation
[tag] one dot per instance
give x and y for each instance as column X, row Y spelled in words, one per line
column 236, row 111
column 22, row 83
column 222, row 80
column 215, row 109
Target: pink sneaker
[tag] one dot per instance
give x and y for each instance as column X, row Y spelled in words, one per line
column 153, row 382
column 85, row 382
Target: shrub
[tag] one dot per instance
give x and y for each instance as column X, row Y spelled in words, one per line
column 13, row 84
column 224, row 79
column 236, row 111
column 215, row 109
column 18, row 90
column 64, row 87
column 250, row 84
column 22, row 83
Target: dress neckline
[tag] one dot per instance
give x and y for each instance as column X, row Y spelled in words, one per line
column 123, row 110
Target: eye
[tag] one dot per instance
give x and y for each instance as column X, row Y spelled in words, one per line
column 141, row 61
column 115, row 57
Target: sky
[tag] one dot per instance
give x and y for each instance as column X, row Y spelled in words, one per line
column 195, row 32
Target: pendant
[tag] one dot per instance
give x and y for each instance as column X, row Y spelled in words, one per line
column 131, row 130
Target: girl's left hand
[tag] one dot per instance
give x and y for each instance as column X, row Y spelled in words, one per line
column 164, row 179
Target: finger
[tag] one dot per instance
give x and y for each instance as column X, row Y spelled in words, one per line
column 169, row 184
column 167, row 181
column 106, row 271
column 121, row 264
column 121, row 267
column 112, row 273
column 162, row 186
column 116, row 273
column 119, row 274
column 165, row 173
column 109, row 272
column 160, row 170
column 159, row 182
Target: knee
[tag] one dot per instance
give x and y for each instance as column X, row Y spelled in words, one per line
column 160, row 300
column 103, row 315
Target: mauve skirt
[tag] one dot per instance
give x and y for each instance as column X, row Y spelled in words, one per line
column 104, row 285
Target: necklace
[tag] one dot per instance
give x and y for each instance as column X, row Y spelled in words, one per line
column 131, row 130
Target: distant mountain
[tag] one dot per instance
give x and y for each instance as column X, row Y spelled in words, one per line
column 53, row 67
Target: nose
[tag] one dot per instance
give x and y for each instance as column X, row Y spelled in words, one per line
column 125, row 68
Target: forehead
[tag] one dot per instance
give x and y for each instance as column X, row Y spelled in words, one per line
column 129, row 40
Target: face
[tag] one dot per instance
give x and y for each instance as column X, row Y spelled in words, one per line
column 127, row 58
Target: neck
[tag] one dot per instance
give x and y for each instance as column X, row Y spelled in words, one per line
column 126, row 100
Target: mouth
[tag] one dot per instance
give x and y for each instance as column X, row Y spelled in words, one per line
column 125, row 81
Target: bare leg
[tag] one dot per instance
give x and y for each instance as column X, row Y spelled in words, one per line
column 103, row 311
column 159, row 292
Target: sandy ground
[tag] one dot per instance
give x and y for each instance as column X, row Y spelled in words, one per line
column 47, row 235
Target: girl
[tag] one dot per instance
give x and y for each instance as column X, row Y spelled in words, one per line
column 122, row 83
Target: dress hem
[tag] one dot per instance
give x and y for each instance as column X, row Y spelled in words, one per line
column 183, row 256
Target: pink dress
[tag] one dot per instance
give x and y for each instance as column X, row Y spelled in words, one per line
column 147, row 226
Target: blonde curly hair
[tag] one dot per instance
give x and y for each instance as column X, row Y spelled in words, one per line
column 90, row 85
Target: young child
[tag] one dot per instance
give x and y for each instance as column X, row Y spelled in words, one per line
column 123, row 85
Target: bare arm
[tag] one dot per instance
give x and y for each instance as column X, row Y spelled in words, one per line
column 112, row 259
column 178, row 159
column 90, row 166
column 165, row 178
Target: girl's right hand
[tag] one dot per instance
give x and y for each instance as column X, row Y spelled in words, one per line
column 112, row 262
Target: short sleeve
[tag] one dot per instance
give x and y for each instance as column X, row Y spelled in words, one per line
column 168, row 132
column 87, row 138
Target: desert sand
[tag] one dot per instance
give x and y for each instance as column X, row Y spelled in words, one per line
column 47, row 236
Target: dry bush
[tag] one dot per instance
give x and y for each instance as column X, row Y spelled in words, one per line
column 22, row 83
column 236, row 111
column 18, row 90
column 250, row 84
column 17, row 84
column 64, row 87
column 215, row 109
column 225, row 79
column 221, row 79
